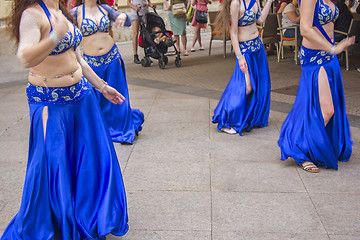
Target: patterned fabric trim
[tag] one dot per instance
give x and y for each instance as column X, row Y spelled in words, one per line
column 314, row 57
column 251, row 45
column 97, row 61
column 57, row 95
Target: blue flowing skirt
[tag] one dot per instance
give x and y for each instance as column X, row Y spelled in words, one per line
column 235, row 109
column 124, row 123
column 73, row 184
column 303, row 135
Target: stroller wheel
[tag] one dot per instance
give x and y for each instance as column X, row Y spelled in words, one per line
column 161, row 64
column 146, row 62
column 166, row 60
column 178, row 62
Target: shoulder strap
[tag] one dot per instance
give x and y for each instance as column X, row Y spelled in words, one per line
column 251, row 4
column 100, row 9
column 46, row 10
column 83, row 13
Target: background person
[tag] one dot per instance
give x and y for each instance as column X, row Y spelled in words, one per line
column 142, row 7
column 178, row 24
column 280, row 5
column 291, row 17
column 343, row 21
column 199, row 5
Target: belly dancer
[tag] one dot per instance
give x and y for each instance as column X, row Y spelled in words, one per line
column 102, row 55
column 73, row 185
column 316, row 132
column 245, row 102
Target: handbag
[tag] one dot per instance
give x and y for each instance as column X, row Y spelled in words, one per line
column 190, row 15
column 201, row 16
column 178, row 10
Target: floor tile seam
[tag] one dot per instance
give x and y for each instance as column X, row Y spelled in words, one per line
column 164, row 191
column 169, row 230
column 312, row 201
column 174, row 230
column 291, row 192
column 336, row 193
column 211, row 191
column 144, row 124
column 271, row 232
column 258, row 192
column 249, row 161
column 8, row 128
column 128, row 158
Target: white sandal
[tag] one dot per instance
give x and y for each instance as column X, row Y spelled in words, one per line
column 230, row 131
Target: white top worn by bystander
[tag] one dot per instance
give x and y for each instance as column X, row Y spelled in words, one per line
column 286, row 22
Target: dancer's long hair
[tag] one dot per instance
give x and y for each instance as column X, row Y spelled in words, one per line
column 19, row 6
column 223, row 19
column 79, row 2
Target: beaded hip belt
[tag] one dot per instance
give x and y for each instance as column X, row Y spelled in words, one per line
column 97, row 61
column 313, row 57
column 57, row 95
column 252, row 45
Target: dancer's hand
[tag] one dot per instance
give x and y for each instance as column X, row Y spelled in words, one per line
column 120, row 20
column 243, row 64
column 344, row 44
column 59, row 24
column 112, row 95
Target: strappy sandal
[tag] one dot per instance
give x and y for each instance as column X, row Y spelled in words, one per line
column 309, row 167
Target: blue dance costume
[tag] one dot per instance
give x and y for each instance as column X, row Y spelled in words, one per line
column 235, row 109
column 73, row 186
column 124, row 123
column 303, row 135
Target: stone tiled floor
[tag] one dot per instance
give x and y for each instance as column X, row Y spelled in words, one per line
column 186, row 180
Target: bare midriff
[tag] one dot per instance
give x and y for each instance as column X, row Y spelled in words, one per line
column 97, row 44
column 246, row 33
column 60, row 70
column 329, row 29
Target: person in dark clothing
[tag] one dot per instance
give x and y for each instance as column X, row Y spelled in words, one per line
column 343, row 22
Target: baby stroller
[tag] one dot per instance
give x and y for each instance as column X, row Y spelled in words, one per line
column 151, row 48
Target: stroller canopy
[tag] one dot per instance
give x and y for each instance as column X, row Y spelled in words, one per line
column 154, row 20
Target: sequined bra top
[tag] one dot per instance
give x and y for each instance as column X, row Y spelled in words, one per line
column 69, row 40
column 325, row 14
column 249, row 16
column 89, row 27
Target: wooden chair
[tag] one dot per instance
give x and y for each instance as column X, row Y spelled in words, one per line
column 295, row 42
column 268, row 31
column 217, row 35
column 354, row 30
